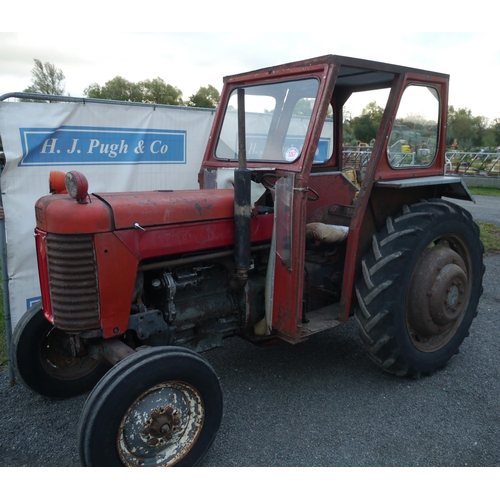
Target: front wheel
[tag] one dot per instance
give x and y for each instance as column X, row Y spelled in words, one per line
column 159, row 407
column 419, row 287
column 44, row 360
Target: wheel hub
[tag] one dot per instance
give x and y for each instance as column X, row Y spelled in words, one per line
column 446, row 299
column 65, row 357
column 161, row 426
column 437, row 297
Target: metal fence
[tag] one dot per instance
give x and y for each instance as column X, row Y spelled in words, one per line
column 472, row 163
column 356, row 157
column 457, row 162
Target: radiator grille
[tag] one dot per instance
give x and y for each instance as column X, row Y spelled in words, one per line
column 74, row 289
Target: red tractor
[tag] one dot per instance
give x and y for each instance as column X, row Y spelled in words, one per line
column 291, row 233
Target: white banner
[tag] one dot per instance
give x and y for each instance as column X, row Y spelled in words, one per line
column 117, row 147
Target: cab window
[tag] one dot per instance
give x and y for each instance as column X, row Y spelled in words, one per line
column 414, row 137
column 277, row 118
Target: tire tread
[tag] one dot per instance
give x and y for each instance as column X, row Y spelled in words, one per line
column 379, row 288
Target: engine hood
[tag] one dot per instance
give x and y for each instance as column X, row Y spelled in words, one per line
column 161, row 208
column 58, row 213
column 113, row 211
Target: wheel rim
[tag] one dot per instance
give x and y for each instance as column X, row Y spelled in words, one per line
column 161, row 426
column 438, row 294
column 64, row 359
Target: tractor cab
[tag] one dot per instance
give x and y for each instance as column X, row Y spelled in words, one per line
column 298, row 144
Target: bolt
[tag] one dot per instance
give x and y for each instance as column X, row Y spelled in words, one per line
column 165, row 428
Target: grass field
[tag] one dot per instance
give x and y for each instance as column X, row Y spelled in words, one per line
column 485, row 191
column 490, row 236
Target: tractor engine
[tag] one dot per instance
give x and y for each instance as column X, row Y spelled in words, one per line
column 196, row 305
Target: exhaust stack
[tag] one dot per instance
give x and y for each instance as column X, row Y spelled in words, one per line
column 242, row 203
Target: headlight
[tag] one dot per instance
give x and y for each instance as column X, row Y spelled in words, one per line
column 77, row 185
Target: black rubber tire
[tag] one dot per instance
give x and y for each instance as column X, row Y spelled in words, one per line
column 42, row 363
column 386, row 294
column 100, row 426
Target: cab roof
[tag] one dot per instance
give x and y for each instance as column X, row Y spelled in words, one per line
column 354, row 73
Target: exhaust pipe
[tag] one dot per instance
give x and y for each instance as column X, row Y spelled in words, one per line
column 242, row 203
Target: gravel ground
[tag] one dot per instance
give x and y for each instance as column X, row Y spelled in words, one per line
column 485, row 209
column 320, row 403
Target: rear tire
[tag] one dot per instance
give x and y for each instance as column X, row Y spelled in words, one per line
column 43, row 361
column 419, row 288
column 159, row 407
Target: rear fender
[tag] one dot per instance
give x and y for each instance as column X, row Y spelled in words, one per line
column 388, row 198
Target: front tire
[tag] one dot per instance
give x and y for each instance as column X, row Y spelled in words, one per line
column 43, row 361
column 420, row 287
column 159, row 407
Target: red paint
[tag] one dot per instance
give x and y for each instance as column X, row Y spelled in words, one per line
column 43, row 274
column 117, row 270
column 191, row 237
column 160, row 208
column 59, row 213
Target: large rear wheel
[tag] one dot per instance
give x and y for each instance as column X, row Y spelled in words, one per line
column 159, row 407
column 419, row 288
column 48, row 361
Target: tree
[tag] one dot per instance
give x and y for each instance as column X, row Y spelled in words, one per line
column 158, row 92
column 466, row 129
column 491, row 134
column 154, row 91
column 117, row 89
column 365, row 126
column 348, row 137
column 495, row 131
column 206, row 97
column 47, row 79
column 93, row 91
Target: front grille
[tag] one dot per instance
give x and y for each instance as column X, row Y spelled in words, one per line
column 74, row 290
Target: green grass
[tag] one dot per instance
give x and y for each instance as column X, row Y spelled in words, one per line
column 485, row 191
column 490, row 236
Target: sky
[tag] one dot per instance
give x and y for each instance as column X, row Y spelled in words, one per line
column 189, row 60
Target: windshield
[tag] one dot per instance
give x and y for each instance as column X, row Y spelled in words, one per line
column 277, row 117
